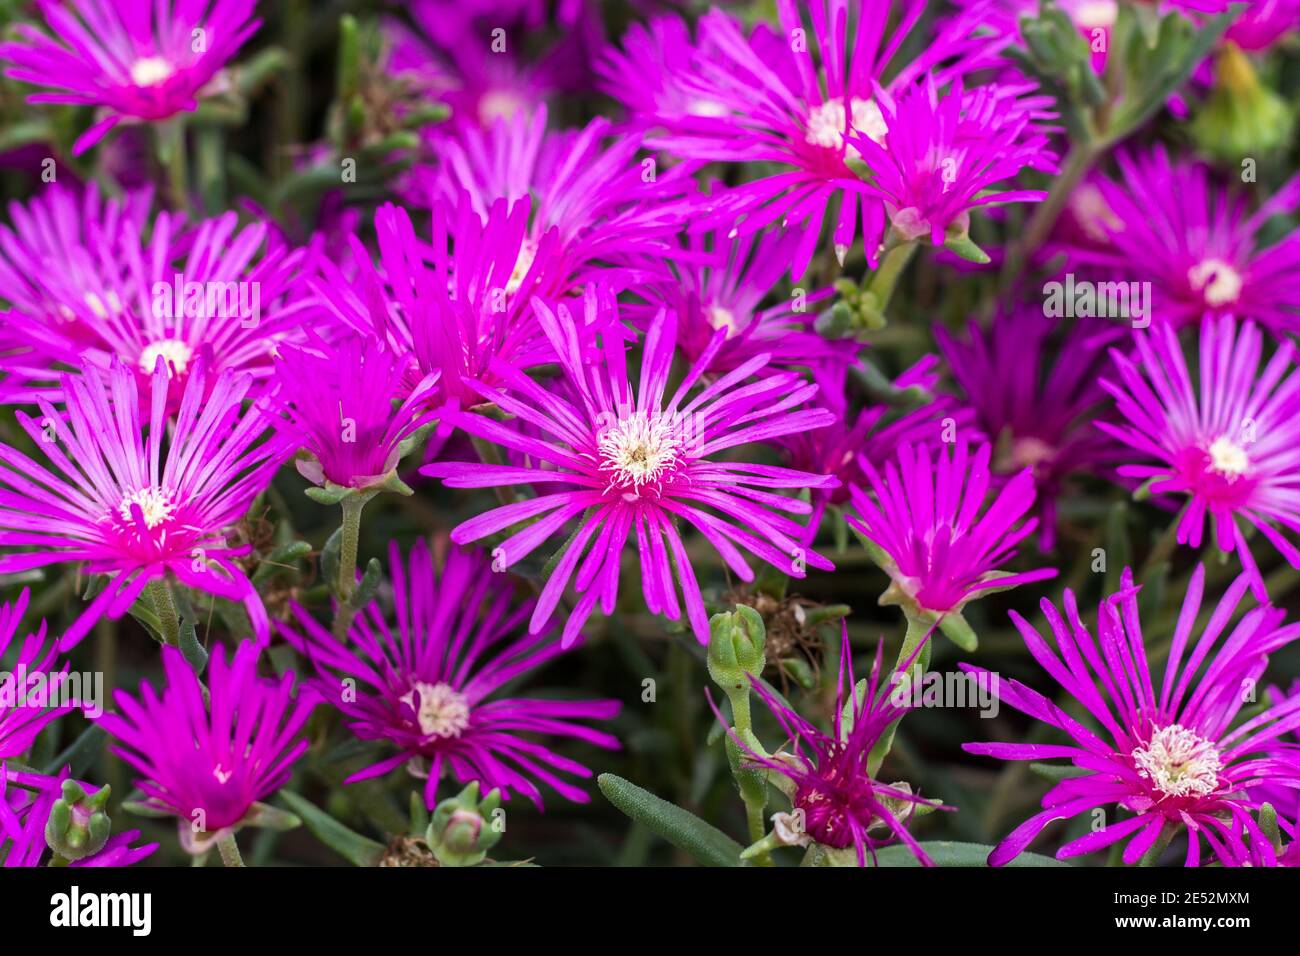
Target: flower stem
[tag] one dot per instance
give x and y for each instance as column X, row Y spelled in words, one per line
column 171, row 153
column 885, row 279
column 1152, row 856
column 1083, row 154
column 347, row 582
column 229, row 849
column 917, row 630
column 164, row 605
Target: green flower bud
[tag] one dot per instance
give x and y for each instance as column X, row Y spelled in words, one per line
column 78, row 825
column 736, row 648
column 1243, row 118
column 459, row 832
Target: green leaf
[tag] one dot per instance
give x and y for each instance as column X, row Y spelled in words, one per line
column 705, row 843
column 194, row 653
column 1056, row 772
column 944, row 853
column 79, row 754
column 352, row 846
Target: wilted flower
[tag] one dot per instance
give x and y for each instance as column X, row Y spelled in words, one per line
column 1171, row 760
column 1226, row 439
column 135, row 61
column 432, row 681
column 638, row 461
column 110, row 496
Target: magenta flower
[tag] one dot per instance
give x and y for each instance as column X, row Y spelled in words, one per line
column 789, row 97
column 50, row 255
column 1285, row 799
column 208, row 763
column 825, row 775
column 344, row 405
column 638, row 461
column 432, row 682
column 1172, row 760
column 1198, row 244
column 588, row 186
column 20, row 723
column 1038, row 411
column 939, row 544
column 215, row 291
column 111, row 496
column 935, row 158
column 457, row 309
column 134, row 61
column 1226, row 439
column 722, row 285
column 475, row 70
column 25, row 803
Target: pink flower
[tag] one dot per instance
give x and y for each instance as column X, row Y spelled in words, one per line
column 433, row 681
column 939, row 543
column 139, row 498
column 1226, row 440
column 136, row 60
column 628, row 461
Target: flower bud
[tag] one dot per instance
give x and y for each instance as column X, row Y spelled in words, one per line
column 459, row 832
column 77, row 826
column 736, row 648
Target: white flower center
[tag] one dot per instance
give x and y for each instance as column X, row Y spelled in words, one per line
column 1090, row 14
column 110, row 304
column 1227, row 458
column 443, row 710
column 1217, row 281
column 703, row 106
column 524, row 262
column 150, row 71
column 155, row 505
column 499, row 104
column 175, row 353
column 1179, row 762
column 720, row 317
column 638, row 450
column 826, row 122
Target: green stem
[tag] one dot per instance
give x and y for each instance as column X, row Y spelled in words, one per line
column 171, row 152
column 164, row 605
column 1083, row 154
column 1152, row 856
column 917, row 629
column 1163, row 549
column 229, row 849
column 885, row 279
column 347, row 582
